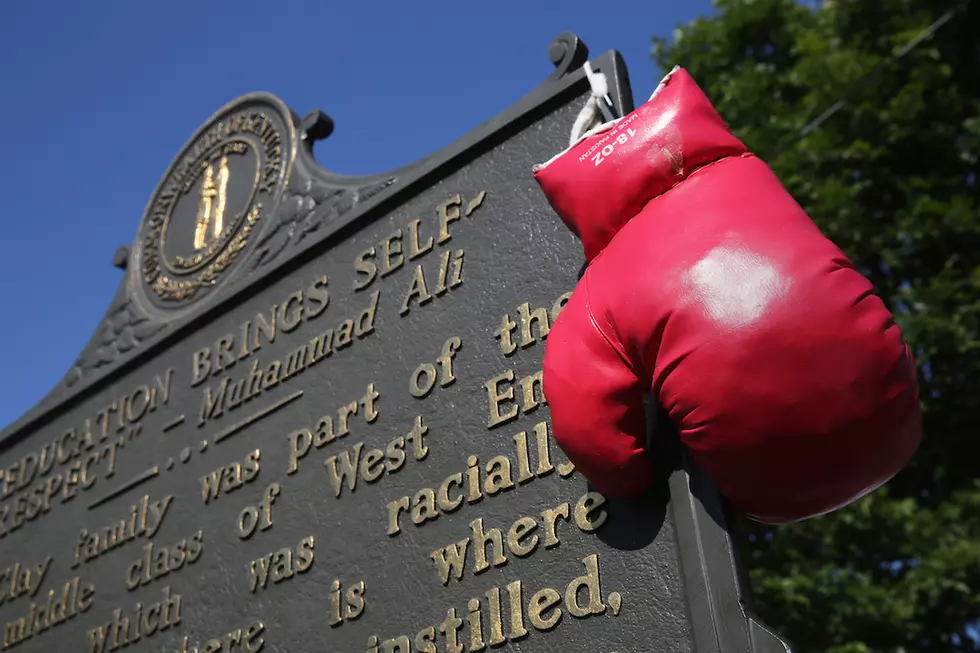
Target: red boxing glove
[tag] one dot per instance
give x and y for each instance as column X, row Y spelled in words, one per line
column 785, row 375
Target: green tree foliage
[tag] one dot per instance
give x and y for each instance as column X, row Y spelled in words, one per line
column 892, row 179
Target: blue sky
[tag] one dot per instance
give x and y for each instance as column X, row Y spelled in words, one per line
column 98, row 97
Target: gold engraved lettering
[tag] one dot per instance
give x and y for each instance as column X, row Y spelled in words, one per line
column 159, row 561
column 425, row 641
column 373, row 465
column 480, row 541
column 20, row 580
column 224, row 356
column 253, row 518
column 416, row 248
column 448, row 277
column 475, row 203
column 399, row 645
column 395, row 509
column 476, row 625
column 137, row 403
column 424, row 377
column 504, row 407
column 447, row 504
column 550, row 517
column 239, row 640
column 503, row 334
column 543, row 600
column 281, row 565
column 364, row 264
column 348, row 466
column 518, row 532
column 496, row 625
column 491, row 623
column 298, row 307
column 295, row 361
column 143, row 520
column 417, row 290
column 590, row 583
column 329, row 429
column 141, row 622
column 173, row 423
column 514, row 596
column 424, row 506
column 496, row 397
column 523, row 460
column 61, row 605
column 230, row 392
column 391, row 253
column 265, row 326
column 527, row 320
column 586, row 505
column 531, row 389
column 498, row 475
column 346, row 607
column 230, row 477
column 291, row 312
column 472, row 485
column 74, row 460
column 450, row 630
column 544, row 451
column 448, row 212
column 475, row 493
column 456, row 277
column 393, row 257
column 440, row 288
column 488, row 550
column 422, row 381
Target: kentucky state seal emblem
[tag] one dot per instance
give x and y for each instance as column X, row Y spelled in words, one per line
column 212, row 201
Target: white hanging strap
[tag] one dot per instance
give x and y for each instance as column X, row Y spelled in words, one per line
column 600, row 91
column 599, row 103
column 598, row 113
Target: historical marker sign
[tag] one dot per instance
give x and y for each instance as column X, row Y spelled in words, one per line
column 312, row 420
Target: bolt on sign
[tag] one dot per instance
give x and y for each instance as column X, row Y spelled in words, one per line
column 312, row 420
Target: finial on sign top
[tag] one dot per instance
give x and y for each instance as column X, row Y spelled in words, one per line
column 568, row 52
column 315, row 126
column 121, row 258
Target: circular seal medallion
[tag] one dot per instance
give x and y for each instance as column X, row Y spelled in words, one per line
column 212, row 201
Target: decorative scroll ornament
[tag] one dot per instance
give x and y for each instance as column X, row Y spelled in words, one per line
column 245, row 186
column 305, row 210
column 123, row 329
column 567, row 52
column 314, row 199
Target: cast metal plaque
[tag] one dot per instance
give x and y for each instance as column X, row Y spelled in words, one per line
column 312, row 420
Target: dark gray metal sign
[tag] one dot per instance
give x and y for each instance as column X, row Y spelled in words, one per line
column 312, row 420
